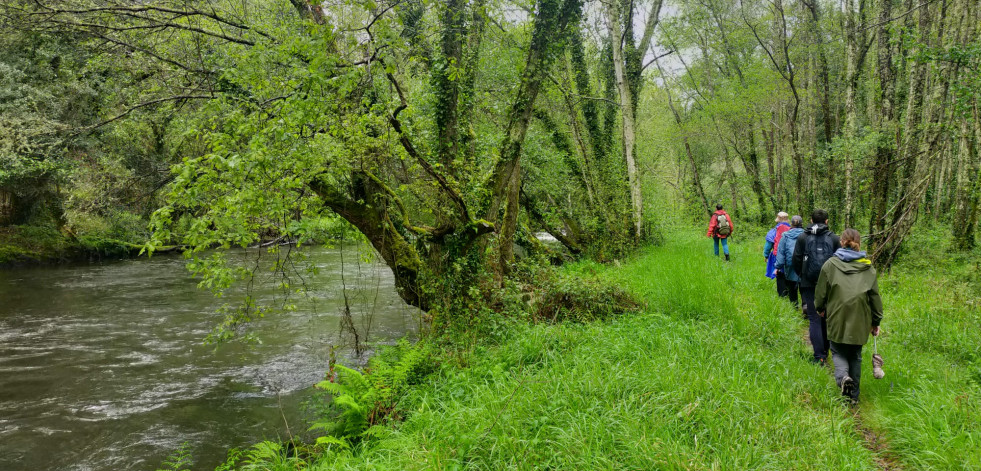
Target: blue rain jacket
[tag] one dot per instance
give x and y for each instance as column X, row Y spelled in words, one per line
column 785, row 254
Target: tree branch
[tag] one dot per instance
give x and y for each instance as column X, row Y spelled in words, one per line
column 144, row 105
column 393, row 119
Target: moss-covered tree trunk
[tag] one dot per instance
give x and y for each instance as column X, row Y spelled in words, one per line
column 885, row 119
column 553, row 19
column 614, row 17
column 7, row 209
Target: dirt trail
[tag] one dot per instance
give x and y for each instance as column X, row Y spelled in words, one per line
column 872, row 440
column 877, row 444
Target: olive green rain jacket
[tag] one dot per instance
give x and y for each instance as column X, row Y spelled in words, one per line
column 849, row 294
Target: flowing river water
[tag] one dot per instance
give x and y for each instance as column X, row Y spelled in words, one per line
column 104, row 366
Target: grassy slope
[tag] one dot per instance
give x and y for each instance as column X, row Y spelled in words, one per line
column 711, row 375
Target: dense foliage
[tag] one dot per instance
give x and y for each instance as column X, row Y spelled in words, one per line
column 440, row 131
column 447, row 132
column 868, row 109
column 450, row 135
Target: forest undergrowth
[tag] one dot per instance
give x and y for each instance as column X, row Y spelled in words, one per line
column 711, row 374
column 39, row 244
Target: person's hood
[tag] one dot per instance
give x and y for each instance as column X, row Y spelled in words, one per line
column 850, row 261
column 818, row 229
column 721, row 211
column 849, row 255
column 794, row 232
column 783, row 223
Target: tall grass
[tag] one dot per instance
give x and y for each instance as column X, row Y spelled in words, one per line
column 929, row 404
column 711, row 374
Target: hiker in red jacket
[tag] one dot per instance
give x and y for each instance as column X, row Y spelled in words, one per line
column 720, row 228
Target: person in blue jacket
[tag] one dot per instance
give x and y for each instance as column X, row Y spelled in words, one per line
column 770, row 251
column 785, row 253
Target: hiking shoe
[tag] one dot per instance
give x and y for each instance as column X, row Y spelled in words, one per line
column 727, row 257
column 848, row 387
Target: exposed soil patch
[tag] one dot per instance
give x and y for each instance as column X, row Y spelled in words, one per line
column 872, row 440
column 877, row 444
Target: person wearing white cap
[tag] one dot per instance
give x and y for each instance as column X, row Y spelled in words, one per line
column 770, row 251
column 785, row 253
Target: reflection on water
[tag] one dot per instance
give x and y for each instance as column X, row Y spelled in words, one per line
column 102, row 367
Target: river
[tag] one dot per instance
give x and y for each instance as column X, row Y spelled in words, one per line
column 103, row 366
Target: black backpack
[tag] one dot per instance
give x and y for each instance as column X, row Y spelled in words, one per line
column 818, row 248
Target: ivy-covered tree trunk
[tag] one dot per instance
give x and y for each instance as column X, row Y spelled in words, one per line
column 552, row 20
column 613, row 17
column 969, row 182
column 885, row 150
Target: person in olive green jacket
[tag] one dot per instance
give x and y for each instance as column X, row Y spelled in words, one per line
column 847, row 295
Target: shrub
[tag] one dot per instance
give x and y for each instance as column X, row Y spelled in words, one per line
column 578, row 298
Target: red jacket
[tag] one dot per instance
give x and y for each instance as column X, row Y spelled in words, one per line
column 781, row 228
column 714, row 223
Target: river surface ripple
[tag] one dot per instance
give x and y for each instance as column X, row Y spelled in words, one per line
column 103, row 366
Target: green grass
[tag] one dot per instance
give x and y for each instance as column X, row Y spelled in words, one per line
column 711, row 374
column 929, row 404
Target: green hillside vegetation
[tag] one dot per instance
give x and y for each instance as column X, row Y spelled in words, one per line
column 711, row 374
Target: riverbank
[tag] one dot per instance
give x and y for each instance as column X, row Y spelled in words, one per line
column 711, row 374
column 37, row 245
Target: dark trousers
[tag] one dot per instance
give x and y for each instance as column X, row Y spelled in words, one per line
column 818, row 327
column 781, row 284
column 793, row 288
column 848, row 362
